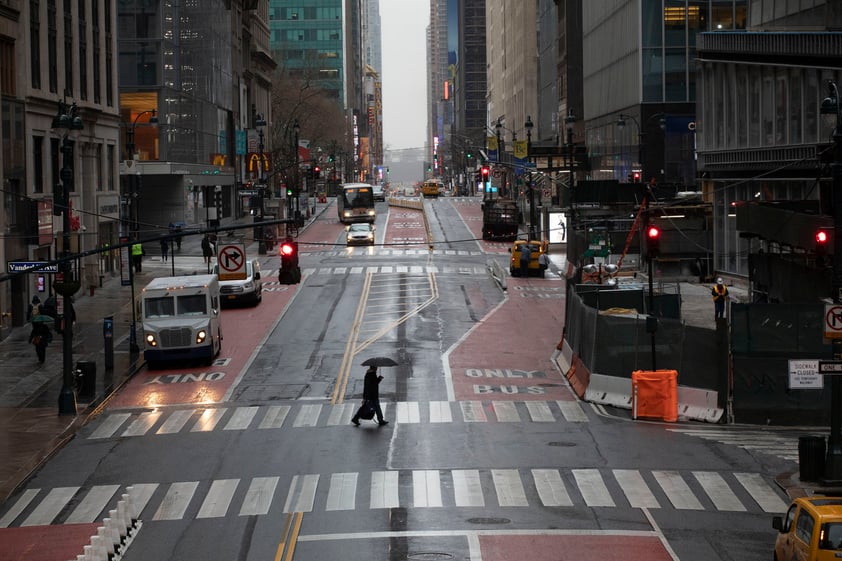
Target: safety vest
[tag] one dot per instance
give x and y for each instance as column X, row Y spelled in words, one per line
column 719, row 292
column 137, row 249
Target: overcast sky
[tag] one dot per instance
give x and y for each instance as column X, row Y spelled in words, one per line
column 404, row 31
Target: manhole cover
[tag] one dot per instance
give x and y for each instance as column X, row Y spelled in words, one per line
column 429, row 556
column 562, row 444
column 488, row 521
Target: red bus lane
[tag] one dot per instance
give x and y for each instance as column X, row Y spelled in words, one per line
column 471, row 212
column 243, row 330
column 405, row 228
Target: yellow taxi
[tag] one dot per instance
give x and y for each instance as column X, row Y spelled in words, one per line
column 811, row 530
column 537, row 258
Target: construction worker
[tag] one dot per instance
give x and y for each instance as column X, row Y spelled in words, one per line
column 137, row 256
column 720, row 295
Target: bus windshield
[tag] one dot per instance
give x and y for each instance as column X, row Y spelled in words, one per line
column 358, row 197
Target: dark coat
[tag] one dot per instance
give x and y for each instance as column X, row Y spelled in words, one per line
column 41, row 330
column 371, row 385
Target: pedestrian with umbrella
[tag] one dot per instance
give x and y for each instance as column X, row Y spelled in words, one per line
column 371, row 391
column 40, row 336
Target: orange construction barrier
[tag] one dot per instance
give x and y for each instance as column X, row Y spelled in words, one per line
column 655, row 394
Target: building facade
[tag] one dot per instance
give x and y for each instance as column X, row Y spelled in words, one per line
column 764, row 146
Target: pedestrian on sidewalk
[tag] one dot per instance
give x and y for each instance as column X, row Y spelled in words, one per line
column 165, row 249
column 40, row 336
column 720, row 295
column 525, row 256
column 137, row 256
column 371, row 396
column 207, row 249
column 34, row 308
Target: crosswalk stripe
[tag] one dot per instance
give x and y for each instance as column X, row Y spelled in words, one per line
column 302, row 493
column 634, row 487
column 506, row 411
column 677, row 490
column 218, row 498
column 307, row 417
column 342, row 494
column 550, row 486
column 341, row 414
column 572, row 412
column 209, row 419
column 440, row 412
column 592, row 487
column 718, row 491
column 509, row 487
column 472, row 412
column 275, row 417
column 259, row 497
column 467, row 488
column 93, row 503
column 142, row 424
column 761, row 492
column 48, row 509
column 426, row 490
column 539, row 411
column 176, row 500
column 19, row 506
column 141, row 493
column 175, row 422
column 407, row 412
column 384, row 489
column 110, row 425
column 241, row 419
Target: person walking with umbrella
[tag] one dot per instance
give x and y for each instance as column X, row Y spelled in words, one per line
column 371, row 396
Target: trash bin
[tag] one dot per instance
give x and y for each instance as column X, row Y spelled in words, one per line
column 811, row 456
column 86, row 379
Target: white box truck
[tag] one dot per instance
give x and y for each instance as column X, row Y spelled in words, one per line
column 181, row 319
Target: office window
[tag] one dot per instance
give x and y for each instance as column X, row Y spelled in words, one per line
column 796, row 110
column 811, row 106
column 68, row 48
column 754, row 105
column 8, row 84
column 742, row 107
column 38, row 164
column 96, row 67
column 652, row 75
column 767, row 111
column 83, row 51
column 652, row 32
column 675, row 23
column 721, row 15
column 675, row 78
column 35, row 43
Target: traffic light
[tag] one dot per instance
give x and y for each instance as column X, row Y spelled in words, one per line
column 316, row 172
column 653, row 241
column 289, row 191
column 636, row 177
column 290, row 272
column 485, row 172
column 822, row 240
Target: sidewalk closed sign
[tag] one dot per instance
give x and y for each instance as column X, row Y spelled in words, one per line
column 804, row 375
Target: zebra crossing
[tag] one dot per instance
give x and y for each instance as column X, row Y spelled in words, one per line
column 417, row 488
column 198, row 420
column 784, row 446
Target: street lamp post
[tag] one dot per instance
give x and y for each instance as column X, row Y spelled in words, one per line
column 293, row 210
column 260, row 122
column 130, row 146
column 532, row 214
column 68, row 120
column 569, row 122
column 833, row 462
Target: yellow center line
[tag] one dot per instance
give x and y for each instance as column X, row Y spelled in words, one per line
column 338, row 395
column 286, row 538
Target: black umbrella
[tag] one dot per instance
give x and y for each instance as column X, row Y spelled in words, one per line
column 379, row 361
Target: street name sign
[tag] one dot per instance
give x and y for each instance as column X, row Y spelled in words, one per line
column 21, row 266
column 830, row 367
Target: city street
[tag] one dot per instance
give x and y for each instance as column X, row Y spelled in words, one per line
column 488, row 454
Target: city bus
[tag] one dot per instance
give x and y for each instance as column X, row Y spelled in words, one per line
column 355, row 203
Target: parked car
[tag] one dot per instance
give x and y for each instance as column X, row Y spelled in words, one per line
column 811, row 529
column 378, row 192
column 536, row 267
column 248, row 290
column 360, row 233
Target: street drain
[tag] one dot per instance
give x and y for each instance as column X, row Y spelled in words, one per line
column 488, row 521
column 562, row 444
column 429, row 556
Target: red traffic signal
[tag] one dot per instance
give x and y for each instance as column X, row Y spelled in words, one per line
column 288, row 249
column 636, row 177
column 822, row 237
column 485, row 171
column 653, row 241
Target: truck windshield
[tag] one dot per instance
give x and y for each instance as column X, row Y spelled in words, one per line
column 831, row 537
column 193, row 305
column 160, row 307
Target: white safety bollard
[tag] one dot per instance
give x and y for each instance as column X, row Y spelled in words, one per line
column 100, row 554
column 104, row 535
column 89, row 553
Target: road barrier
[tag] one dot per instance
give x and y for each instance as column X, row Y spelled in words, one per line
column 117, row 532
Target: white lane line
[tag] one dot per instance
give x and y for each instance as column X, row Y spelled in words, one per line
column 509, row 487
column 551, row 488
column 539, row 411
column 677, row 490
column 572, row 411
column 592, row 487
column 342, row 494
column 637, row 492
column 94, row 502
column 720, row 494
column 175, row 422
column 407, row 412
column 506, row 411
column 241, row 419
column 110, row 425
column 218, row 498
column 208, row 419
column 140, row 494
column 142, row 424
column 426, row 488
column 275, row 416
column 341, row 414
column 384, row 489
column 19, row 506
column 472, row 412
column 761, row 492
column 307, row 417
column 302, row 493
column 176, row 500
column 440, row 412
column 467, row 488
column 259, row 497
column 48, row 509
